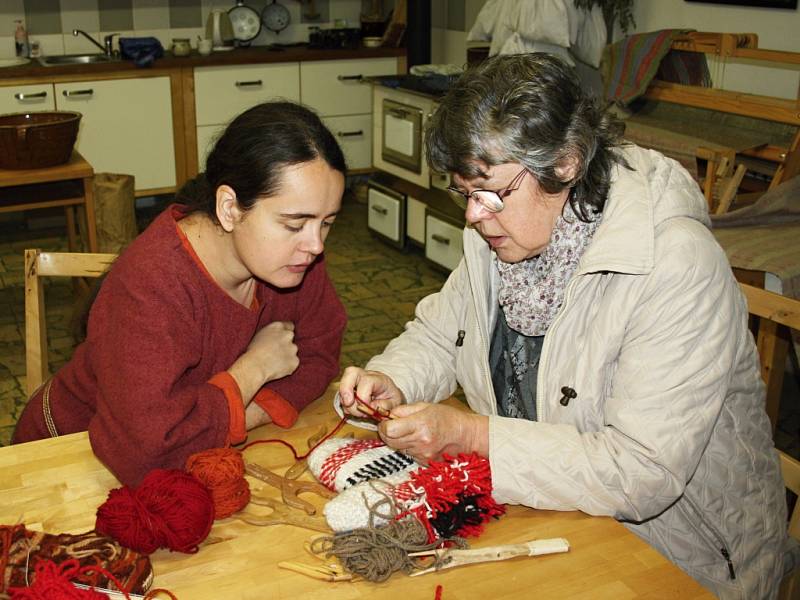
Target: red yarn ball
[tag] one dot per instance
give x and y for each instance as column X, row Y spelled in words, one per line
column 169, row 509
column 221, row 470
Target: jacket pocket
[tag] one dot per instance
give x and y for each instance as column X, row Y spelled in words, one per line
column 706, row 531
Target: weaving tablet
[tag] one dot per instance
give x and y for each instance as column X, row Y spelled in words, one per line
column 340, row 463
column 26, row 548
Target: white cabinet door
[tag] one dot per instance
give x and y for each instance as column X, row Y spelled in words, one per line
column 221, row 93
column 444, row 243
column 354, row 134
column 334, row 87
column 26, row 98
column 126, row 127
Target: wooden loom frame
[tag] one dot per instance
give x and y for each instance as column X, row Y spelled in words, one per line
column 780, row 110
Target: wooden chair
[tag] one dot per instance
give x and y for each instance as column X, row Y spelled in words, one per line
column 50, row 264
column 790, row 467
column 722, row 179
column 776, row 315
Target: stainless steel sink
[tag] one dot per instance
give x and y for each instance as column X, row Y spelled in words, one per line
column 75, row 59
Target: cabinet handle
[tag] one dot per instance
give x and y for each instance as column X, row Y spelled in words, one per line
column 69, row 93
column 350, row 133
column 253, row 83
column 440, row 238
column 350, row 77
column 380, row 210
column 21, row 96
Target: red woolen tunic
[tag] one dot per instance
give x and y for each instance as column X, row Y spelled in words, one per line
column 150, row 381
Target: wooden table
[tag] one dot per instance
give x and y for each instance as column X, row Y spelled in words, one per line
column 68, row 185
column 56, row 486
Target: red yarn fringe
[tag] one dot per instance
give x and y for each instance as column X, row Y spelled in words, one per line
column 447, row 483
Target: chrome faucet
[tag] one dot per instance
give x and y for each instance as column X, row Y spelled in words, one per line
column 108, row 41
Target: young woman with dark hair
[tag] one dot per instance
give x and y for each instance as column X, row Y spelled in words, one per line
column 220, row 316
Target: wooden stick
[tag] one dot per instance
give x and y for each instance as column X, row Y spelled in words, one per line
column 456, row 558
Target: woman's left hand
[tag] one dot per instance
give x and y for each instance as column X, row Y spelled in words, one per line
column 426, row 431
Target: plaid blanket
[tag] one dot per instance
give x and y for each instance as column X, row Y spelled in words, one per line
column 631, row 63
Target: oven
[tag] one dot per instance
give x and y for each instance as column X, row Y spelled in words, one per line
column 401, row 144
column 399, row 118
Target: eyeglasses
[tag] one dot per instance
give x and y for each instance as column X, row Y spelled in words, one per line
column 489, row 199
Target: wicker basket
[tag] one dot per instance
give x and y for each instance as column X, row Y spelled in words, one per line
column 37, row 140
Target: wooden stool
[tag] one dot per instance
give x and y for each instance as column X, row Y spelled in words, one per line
column 69, row 185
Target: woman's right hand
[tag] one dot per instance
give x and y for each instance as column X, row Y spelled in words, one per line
column 271, row 354
column 375, row 388
column 273, row 348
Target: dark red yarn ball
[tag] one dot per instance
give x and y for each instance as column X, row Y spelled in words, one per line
column 169, row 509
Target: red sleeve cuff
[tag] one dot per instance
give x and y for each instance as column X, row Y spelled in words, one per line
column 237, row 430
column 277, row 407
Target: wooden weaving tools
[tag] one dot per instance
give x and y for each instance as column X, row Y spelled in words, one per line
column 324, row 569
column 290, row 488
column 447, row 558
column 299, row 467
column 282, row 515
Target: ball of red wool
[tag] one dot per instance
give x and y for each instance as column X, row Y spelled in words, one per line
column 221, row 470
column 169, row 509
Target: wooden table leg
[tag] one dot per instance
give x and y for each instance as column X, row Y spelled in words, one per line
column 91, row 223
column 72, row 230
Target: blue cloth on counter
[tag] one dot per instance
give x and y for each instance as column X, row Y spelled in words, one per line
column 143, row 51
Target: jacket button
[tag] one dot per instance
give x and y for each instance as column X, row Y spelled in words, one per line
column 569, row 394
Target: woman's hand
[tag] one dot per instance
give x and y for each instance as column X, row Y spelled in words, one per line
column 426, row 431
column 255, row 416
column 271, row 354
column 374, row 388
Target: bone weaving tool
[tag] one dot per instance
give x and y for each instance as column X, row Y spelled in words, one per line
column 447, row 558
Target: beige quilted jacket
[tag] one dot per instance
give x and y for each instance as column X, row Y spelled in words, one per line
column 667, row 431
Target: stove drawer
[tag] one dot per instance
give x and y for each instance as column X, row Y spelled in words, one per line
column 386, row 214
column 444, row 243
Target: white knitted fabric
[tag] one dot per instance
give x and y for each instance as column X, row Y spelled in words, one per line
column 351, row 508
column 340, row 463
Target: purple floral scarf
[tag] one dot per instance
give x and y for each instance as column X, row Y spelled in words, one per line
column 532, row 290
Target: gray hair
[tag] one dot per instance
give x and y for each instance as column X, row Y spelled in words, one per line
column 530, row 109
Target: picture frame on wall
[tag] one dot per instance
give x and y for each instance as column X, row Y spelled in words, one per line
column 788, row 4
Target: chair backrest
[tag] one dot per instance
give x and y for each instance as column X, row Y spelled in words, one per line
column 790, row 468
column 50, row 264
column 777, row 315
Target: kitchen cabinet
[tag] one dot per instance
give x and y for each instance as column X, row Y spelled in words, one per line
column 444, row 243
column 335, row 90
column 221, row 93
column 126, row 127
column 26, row 98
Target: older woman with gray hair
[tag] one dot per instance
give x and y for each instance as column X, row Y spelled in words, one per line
column 596, row 330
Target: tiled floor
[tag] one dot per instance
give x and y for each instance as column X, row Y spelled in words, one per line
column 379, row 285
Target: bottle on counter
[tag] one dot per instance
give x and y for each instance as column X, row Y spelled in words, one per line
column 21, row 40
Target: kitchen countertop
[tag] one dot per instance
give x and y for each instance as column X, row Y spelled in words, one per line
column 238, row 56
column 428, row 86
